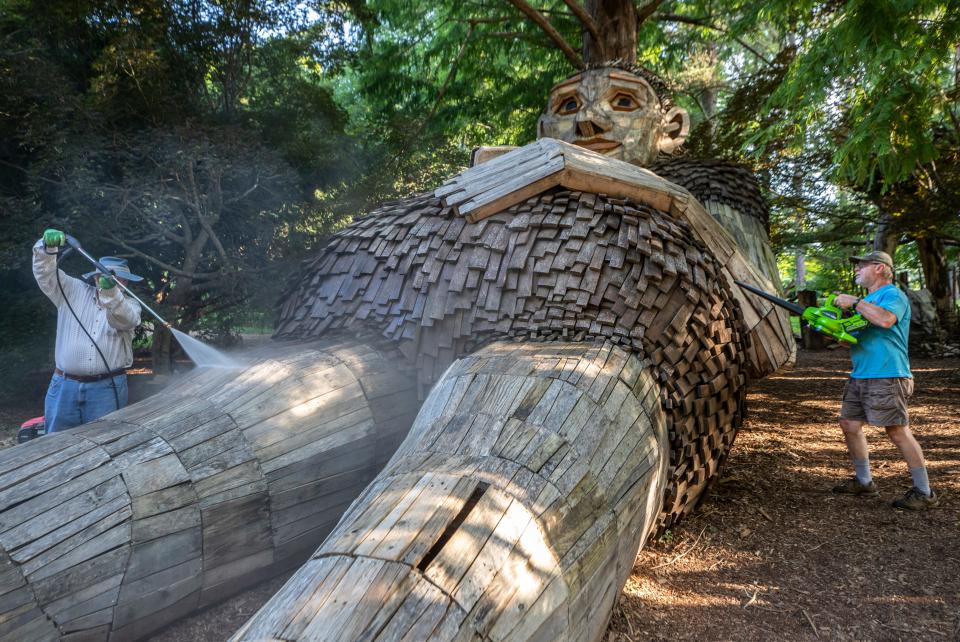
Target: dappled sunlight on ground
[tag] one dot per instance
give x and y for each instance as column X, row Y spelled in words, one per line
column 772, row 554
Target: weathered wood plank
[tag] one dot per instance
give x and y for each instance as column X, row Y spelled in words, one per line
column 77, row 578
column 64, row 470
column 236, row 529
column 70, row 607
column 165, row 523
column 154, row 475
column 478, row 526
column 164, row 500
column 51, row 526
column 106, row 535
column 61, row 539
column 158, row 591
column 224, row 580
column 159, row 554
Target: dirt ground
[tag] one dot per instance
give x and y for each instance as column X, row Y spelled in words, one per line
column 771, row 553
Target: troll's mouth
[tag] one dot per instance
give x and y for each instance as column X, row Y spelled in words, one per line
column 597, row 144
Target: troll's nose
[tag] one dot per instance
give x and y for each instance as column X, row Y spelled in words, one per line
column 590, row 128
column 592, row 122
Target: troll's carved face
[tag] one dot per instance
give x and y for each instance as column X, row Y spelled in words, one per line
column 615, row 113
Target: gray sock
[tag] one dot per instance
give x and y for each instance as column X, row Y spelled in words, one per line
column 862, row 468
column 920, row 480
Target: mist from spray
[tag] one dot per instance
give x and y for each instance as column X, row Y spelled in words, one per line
column 202, row 355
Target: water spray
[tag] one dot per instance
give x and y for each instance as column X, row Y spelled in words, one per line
column 201, row 354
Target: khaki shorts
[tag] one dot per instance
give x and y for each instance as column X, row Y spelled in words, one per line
column 878, row 402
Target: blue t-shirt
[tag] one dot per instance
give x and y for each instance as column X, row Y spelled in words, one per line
column 882, row 352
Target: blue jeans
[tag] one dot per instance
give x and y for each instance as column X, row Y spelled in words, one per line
column 70, row 403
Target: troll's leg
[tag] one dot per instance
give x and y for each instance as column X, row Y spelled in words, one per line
column 116, row 528
column 513, row 510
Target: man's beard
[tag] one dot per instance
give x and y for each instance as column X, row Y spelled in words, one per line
column 858, row 280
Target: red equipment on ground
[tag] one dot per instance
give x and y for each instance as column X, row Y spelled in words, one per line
column 31, row 429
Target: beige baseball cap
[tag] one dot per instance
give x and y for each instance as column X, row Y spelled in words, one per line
column 873, row 257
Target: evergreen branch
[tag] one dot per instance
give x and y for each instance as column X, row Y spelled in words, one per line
column 706, row 24
column 518, row 35
column 551, row 32
column 28, row 173
column 450, row 74
column 149, row 220
column 484, row 21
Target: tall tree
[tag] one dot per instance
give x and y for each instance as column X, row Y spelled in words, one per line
column 165, row 131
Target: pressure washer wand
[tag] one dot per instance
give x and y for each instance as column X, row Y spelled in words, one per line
column 75, row 244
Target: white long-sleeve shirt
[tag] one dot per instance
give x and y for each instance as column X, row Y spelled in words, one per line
column 108, row 316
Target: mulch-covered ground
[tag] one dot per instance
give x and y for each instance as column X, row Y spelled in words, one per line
column 772, row 554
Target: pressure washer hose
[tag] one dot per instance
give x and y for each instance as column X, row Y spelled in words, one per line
column 75, row 244
column 63, row 295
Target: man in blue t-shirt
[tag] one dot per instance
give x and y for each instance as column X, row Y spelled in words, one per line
column 881, row 383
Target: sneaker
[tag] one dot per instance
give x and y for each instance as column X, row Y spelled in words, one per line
column 853, row 487
column 915, row 500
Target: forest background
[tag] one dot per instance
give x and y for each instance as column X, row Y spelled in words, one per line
column 216, row 143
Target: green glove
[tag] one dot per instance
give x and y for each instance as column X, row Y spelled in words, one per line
column 106, row 282
column 54, row 238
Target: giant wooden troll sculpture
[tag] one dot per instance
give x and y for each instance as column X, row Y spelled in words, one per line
column 507, row 383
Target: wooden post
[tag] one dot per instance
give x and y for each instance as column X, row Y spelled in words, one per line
column 812, row 340
column 514, row 509
column 117, row 528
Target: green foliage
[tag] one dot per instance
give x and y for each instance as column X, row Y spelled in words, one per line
column 292, row 104
column 123, row 119
column 478, row 72
column 874, row 73
column 828, row 268
column 846, row 111
column 853, row 124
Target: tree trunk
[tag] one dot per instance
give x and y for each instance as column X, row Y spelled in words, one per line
column 161, row 352
column 617, row 23
column 956, row 68
column 954, row 280
column 800, row 281
column 885, row 237
column 164, row 345
column 933, row 260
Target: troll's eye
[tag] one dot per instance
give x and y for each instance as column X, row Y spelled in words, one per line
column 624, row 102
column 568, row 105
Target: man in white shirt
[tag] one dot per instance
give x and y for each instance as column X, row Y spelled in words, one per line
column 95, row 327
